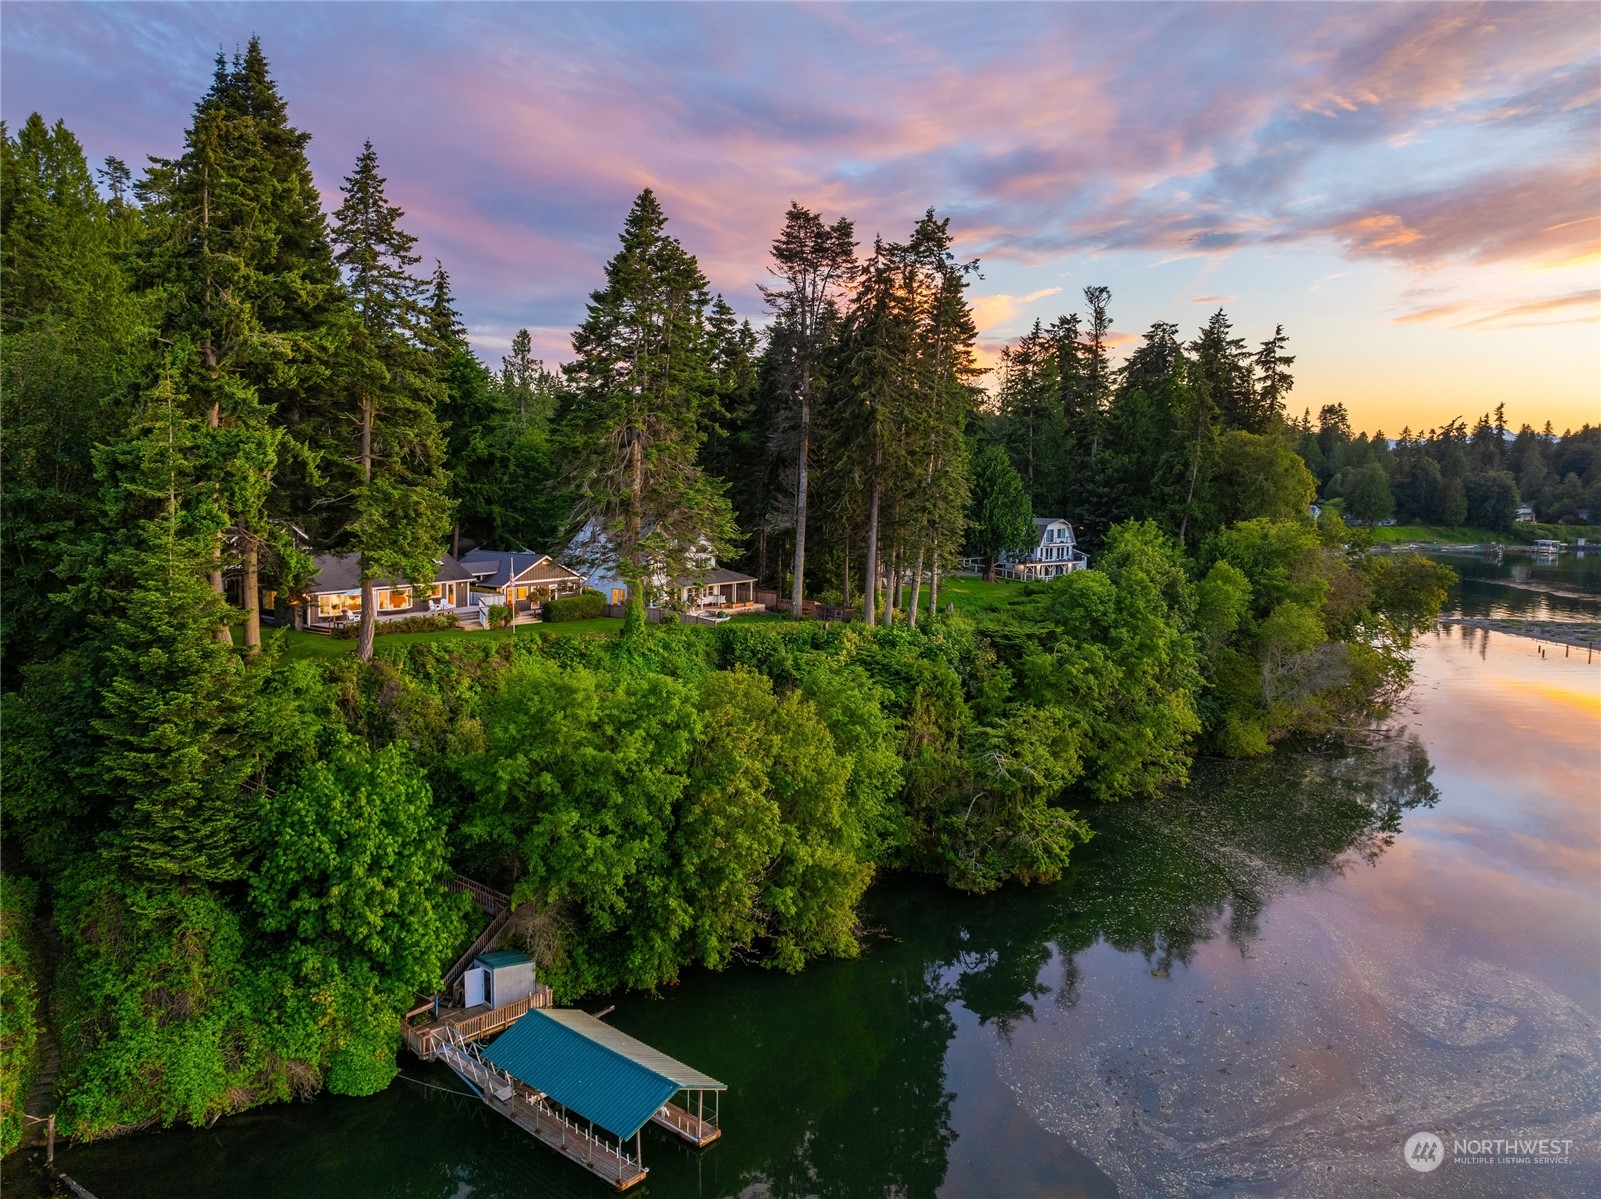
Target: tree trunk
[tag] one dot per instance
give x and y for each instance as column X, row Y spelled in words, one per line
column 798, row 588
column 933, row 578
column 634, row 619
column 989, row 568
column 892, row 587
column 845, row 593
column 369, row 623
column 250, row 593
column 1195, row 469
column 455, row 540
column 369, row 617
column 870, row 588
column 224, row 633
column 917, row 590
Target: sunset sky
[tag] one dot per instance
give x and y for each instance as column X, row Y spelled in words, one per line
column 1413, row 191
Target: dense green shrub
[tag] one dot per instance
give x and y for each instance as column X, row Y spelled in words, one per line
column 19, row 1006
column 586, row 606
column 429, row 622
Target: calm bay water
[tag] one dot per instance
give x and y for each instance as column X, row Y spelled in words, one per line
column 1261, row 986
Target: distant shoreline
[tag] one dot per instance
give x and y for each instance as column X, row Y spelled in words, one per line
column 1578, row 634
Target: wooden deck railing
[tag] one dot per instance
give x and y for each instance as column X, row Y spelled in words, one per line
column 486, row 899
column 686, row 1124
column 484, row 941
column 426, row 1038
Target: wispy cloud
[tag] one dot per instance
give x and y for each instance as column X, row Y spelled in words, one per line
column 995, row 310
column 1573, row 307
column 1430, row 137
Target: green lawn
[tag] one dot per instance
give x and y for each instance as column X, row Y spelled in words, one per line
column 1438, row 534
column 975, row 595
column 1441, row 535
column 315, row 645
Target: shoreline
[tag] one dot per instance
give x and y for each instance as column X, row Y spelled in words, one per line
column 1578, row 635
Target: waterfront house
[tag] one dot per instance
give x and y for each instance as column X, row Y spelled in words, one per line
column 519, row 579
column 706, row 587
column 331, row 599
column 1525, row 515
column 1055, row 553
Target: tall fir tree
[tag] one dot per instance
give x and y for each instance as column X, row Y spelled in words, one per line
column 237, row 249
column 401, row 507
column 643, row 383
column 177, row 727
column 812, row 261
column 73, row 339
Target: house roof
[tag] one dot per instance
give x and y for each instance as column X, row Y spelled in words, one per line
column 342, row 572
column 1045, row 522
column 712, row 577
column 593, row 1069
column 496, row 568
column 497, row 959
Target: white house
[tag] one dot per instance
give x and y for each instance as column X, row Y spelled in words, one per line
column 705, row 586
column 1525, row 515
column 1056, row 553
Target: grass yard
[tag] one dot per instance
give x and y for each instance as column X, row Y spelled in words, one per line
column 1401, row 534
column 967, row 594
column 975, row 595
column 1441, row 535
column 299, row 645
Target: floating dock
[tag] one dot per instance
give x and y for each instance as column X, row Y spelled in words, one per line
column 573, row 1082
column 565, row 1077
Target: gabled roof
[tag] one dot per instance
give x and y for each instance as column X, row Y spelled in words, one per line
column 593, row 1069
column 1045, row 522
column 342, row 572
column 496, row 568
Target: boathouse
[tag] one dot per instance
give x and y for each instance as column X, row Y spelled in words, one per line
column 603, row 1076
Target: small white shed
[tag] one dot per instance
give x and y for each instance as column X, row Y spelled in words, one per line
column 498, row 977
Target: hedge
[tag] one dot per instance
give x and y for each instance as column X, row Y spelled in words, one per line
column 576, row 607
column 432, row 623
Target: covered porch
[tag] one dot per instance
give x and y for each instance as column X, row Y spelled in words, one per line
column 718, row 592
column 329, row 611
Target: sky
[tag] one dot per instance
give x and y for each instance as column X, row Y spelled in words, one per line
column 1412, row 191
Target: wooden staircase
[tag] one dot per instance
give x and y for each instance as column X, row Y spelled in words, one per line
column 41, row 1097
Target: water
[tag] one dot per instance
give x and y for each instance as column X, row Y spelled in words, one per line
column 1262, row 986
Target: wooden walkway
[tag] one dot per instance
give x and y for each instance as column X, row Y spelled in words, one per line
column 468, row 1024
column 686, row 1125
column 534, row 1114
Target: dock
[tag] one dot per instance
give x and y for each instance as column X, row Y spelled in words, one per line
column 571, row 1081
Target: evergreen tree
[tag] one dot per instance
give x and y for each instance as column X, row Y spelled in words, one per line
column 945, row 399
column 812, row 261
column 1223, row 369
column 401, row 509
column 237, row 249
column 176, row 724
column 643, row 383
column 866, row 406
column 1002, row 520
column 475, row 419
column 1273, row 380
column 72, row 340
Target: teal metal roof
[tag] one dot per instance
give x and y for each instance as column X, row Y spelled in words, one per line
column 592, row 1069
column 495, row 959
